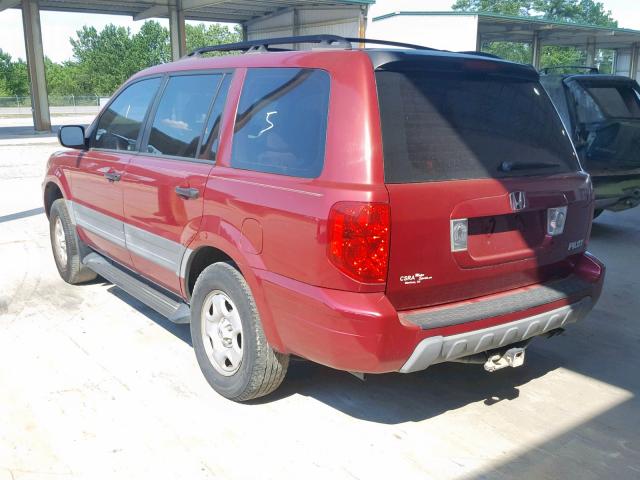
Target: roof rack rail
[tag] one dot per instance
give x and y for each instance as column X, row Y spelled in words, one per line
column 481, row 54
column 389, row 43
column 545, row 71
column 266, row 44
column 327, row 41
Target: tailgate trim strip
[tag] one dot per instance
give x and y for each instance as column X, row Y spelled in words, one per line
column 572, row 287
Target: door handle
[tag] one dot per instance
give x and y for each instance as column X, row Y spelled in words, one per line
column 112, row 176
column 187, row 192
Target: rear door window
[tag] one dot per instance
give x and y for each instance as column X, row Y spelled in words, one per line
column 281, row 122
column 447, row 125
column 180, row 117
column 119, row 126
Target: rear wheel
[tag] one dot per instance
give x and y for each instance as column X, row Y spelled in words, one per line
column 66, row 246
column 228, row 339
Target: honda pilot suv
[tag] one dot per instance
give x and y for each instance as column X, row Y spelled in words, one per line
column 372, row 210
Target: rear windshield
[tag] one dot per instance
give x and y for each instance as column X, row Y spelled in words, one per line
column 445, row 126
column 619, row 101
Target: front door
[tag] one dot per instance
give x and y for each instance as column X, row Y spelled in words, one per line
column 97, row 177
column 164, row 189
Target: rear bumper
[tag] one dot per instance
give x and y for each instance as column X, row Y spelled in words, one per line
column 440, row 349
column 362, row 332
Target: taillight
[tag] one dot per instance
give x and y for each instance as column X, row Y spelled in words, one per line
column 359, row 240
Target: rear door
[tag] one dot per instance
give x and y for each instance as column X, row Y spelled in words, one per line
column 97, row 179
column 163, row 195
column 475, row 155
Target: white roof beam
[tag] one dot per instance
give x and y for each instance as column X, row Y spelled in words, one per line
column 4, row 4
column 153, row 12
column 191, row 4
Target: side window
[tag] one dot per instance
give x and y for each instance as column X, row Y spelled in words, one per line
column 181, row 114
column 209, row 148
column 281, row 123
column 120, row 124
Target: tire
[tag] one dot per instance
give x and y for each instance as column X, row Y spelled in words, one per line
column 228, row 339
column 597, row 212
column 69, row 263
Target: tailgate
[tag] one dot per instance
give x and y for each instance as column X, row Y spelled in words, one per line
column 477, row 146
column 505, row 250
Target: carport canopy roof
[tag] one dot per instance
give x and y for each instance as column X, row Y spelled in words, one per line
column 233, row 11
column 506, row 28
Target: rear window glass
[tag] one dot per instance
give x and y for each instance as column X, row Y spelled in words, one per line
column 617, row 101
column 445, row 126
column 281, row 123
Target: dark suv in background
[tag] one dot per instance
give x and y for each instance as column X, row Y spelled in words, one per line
column 602, row 114
column 373, row 210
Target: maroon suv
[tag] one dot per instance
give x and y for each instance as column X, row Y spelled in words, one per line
column 373, row 210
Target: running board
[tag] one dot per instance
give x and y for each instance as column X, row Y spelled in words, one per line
column 177, row 312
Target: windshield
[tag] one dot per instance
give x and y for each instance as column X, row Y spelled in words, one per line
column 446, row 125
column 617, row 101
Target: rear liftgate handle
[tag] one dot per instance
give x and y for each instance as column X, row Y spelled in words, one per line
column 187, row 192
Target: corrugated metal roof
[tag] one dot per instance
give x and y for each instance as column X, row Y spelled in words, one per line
column 498, row 27
column 236, row 11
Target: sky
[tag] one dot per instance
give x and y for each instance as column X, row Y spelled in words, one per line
column 58, row 27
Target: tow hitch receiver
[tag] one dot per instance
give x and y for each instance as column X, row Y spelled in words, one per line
column 514, row 357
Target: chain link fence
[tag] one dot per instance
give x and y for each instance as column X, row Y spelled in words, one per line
column 54, row 101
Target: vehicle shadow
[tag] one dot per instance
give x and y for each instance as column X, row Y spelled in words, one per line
column 602, row 230
column 180, row 331
column 397, row 398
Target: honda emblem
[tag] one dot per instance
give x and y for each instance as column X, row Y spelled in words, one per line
column 518, row 201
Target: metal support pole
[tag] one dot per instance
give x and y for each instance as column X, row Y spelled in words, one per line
column 591, row 51
column 362, row 23
column 536, row 50
column 177, row 31
column 295, row 27
column 245, row 32
column 633, row 63
column 35, row 63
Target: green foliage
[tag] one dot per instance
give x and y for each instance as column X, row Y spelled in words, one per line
column 505, row 7
column 215, row 34
column 572, row 11
column 577, row 11
column 14, row 79
column 104, row 59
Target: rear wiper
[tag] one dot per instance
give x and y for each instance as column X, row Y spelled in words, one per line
column 510, row 166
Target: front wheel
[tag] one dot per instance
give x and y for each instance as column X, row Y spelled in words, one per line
column 228, row 339
column 67, row 246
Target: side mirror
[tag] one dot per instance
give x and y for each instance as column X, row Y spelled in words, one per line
column 72, row 136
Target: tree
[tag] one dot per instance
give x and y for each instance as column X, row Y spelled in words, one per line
column 215, row 34
column 105, row 59
column 151, row 45
column 13, row 76
column 505, row 7
column 576, row 11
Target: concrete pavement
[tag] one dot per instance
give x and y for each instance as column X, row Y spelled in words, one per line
column 95, row 385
